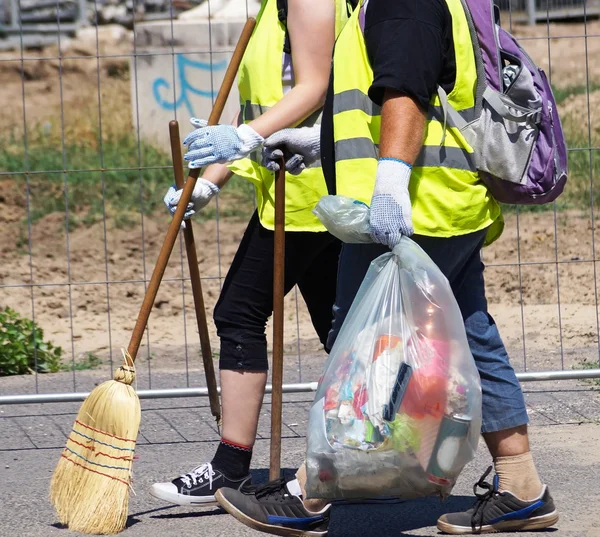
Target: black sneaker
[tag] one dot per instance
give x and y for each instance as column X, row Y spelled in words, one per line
column 496, row 511
column 272, row 508
column 198, row 487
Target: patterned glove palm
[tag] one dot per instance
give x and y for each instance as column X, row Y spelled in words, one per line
column 391, row 211
column 203, row 192
column 221, row 143
column 303, row 144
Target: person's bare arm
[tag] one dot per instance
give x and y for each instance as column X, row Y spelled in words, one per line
column 217, row 174
column 311, row 26
column 402, row 127
column 402, row 131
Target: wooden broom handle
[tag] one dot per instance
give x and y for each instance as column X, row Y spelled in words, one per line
column 190, row 248
column 174, row 227
column 278, row 319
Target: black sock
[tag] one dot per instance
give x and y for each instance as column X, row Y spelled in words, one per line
column 232, row 459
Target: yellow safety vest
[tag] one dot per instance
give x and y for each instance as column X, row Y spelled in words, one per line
column 260, row 87
column 448, row 198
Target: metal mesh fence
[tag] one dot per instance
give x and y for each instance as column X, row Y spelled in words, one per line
column 532, row 11
column 87, row 96
column 522, row 5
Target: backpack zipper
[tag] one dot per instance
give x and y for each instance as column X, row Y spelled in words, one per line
column 550, row 110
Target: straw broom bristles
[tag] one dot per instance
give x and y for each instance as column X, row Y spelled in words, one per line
column 90, row 486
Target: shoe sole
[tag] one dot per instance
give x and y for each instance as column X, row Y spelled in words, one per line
column 182, row 499
column 260, row 526
column 536, row 523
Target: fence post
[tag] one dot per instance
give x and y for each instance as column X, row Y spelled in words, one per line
column 14, row 14
column 82, row 19
column 531, row 12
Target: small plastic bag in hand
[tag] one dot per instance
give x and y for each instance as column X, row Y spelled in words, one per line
column 345, row 218
column 398, row 409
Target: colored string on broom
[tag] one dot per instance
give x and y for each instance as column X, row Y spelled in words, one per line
column 87, row 488
column 89, row 446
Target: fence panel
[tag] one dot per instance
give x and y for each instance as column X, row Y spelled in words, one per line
column 88, row 91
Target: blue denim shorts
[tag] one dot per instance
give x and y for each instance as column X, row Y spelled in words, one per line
column 460, row 260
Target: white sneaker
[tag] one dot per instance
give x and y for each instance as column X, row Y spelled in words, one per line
column 197, row 487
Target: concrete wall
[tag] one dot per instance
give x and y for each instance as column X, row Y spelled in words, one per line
column 177, row 72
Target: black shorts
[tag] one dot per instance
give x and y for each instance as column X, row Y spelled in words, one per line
column 246, row 300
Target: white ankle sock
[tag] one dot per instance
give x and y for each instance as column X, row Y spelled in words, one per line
column 294, row 488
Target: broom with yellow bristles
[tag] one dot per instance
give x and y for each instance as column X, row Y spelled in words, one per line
column 90, row 486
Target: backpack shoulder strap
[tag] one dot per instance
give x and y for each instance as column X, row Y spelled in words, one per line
column 282, row 13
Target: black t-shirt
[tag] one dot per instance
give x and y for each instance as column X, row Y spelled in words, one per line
column 411, row 50
column 410, row 46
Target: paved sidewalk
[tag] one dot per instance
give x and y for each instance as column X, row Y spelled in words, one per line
column 177, row 435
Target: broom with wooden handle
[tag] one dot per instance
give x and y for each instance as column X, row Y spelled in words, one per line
column 90, row 486
column 278, row 319
column 190, row 247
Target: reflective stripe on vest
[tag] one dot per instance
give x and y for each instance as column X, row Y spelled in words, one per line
column 447, row 195
column 432, row 156
column 260, row 87
column 357, row 100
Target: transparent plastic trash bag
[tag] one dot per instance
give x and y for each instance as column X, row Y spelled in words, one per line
column 398, row 409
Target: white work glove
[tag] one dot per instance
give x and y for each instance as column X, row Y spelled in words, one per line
column 220, row 143
column 391, row 211
column 203, row 192
column 301, row 147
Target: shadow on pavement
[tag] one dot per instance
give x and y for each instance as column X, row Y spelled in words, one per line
column 372, row 520
column 190, row 514
column 366, row 520
column 133, row 519
column 369, row 519
column 200, row 513
column 348, row 519
column 261, row 475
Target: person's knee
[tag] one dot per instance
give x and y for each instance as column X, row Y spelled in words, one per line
column 513, row 418
column 502, row 403
column 243, row 339
column 242, row 350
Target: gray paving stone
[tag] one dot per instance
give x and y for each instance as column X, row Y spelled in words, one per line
column 179, row 434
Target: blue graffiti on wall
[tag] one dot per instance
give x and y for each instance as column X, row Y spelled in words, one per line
column 184, row 87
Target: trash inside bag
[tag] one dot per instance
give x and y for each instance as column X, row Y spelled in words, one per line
column 398, row 409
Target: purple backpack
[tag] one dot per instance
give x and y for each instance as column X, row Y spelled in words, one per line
column 517, row 137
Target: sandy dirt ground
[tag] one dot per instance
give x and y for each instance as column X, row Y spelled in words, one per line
column 63, row 283
column 79, row 313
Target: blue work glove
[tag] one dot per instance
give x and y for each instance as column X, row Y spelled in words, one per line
column 221, row 143
column 391, row 211
column 301, row 147
column 203, row 192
